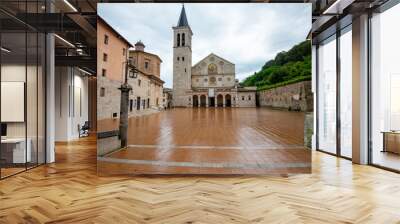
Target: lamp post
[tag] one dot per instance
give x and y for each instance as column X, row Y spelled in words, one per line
column 125, row 89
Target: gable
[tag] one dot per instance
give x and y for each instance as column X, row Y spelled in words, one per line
column 213, row 64
column 212, row 58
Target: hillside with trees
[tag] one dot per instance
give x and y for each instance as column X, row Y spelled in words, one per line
column 286, row 68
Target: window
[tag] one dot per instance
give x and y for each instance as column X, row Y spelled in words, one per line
column 139, row 82
column 123, row 51
column 212, row 80
column 114, row 115
column 205, row 80
column 385, row 88
column 212, row 69
column 177, row 58
column 229, row 78
column 105, row 39
column 219, row 79
column 346, row 93
column 185, row 69
column 130, row 105
column 327, row 98
column 249, row 97
column 105, row 56
column 102, row 91
column 183, row 58
column 103, row 72
column 183, row 39
column 242, row 97
column 178, row 39
column 146, row 65
column 15, row 109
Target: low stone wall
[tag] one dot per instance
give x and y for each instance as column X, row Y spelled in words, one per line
column 107, row 145
column 297, row 96
column 308, row 129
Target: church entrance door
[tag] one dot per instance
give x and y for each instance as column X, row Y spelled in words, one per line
column 203, row 101
column 195, row 101
column 211, row 101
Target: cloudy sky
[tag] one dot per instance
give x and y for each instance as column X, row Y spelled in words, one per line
column 248, row 35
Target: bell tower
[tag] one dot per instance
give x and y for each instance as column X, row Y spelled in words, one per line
column 182, row 62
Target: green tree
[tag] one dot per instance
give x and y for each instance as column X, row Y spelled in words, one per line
column 286, row 68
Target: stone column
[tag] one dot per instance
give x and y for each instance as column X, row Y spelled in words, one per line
column 198, row 100
column 206, row 100
column 223, row 100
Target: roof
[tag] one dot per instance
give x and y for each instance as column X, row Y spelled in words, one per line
column 166, row 90
column 139, row 43
column 182, row 18
column 114, row 31
column 212, row 54
column 247, row 89
column 145, row 52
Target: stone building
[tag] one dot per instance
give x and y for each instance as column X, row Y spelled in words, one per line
column 209, row 83
column 167, row 98
column 297, row 96
column 147, row 87
column 113, row 53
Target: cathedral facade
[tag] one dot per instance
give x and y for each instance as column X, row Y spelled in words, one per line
column 211, row 82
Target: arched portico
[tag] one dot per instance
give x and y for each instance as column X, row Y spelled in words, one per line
column 228, row 100
column 220, row 100
column 203, row 101
column 195, row 101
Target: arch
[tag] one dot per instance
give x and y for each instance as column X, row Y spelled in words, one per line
column 203, row 101
column 228, row 100
column 212, row 69
column 220, row 100
column 178, row 38
column 183, row 39
column 195, row 101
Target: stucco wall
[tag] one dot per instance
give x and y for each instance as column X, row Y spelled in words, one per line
column 246, row 99
column 114, row 66
column 297, row 96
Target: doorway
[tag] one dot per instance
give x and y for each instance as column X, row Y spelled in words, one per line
column 195, row 101
column 228, row 101
column 220, row 101
column 138, row 103
column 211, row 101
column 203, row 101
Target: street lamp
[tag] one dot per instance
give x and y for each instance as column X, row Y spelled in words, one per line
column 132, row 72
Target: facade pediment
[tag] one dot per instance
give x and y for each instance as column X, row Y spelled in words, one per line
column 213, row 65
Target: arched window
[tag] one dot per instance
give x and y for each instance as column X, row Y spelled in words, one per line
column 183, row 39
column 179, row 39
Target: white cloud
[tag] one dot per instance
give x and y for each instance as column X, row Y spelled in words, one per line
column 245, row 34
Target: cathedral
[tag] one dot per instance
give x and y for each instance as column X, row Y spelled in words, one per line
column 211, row 82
